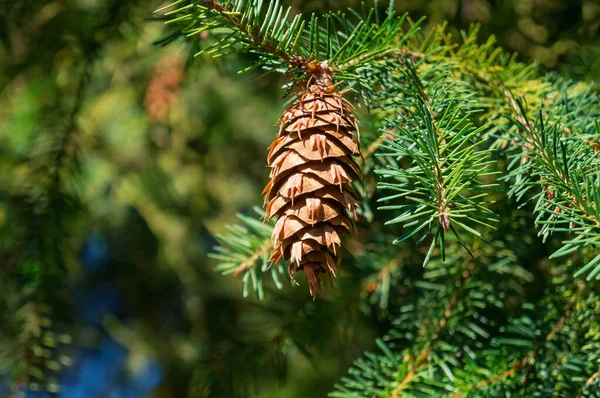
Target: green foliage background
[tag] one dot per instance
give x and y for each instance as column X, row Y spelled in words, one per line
column 84, row 150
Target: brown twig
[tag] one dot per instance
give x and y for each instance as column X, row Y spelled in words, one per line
column 376, row 144
column 249, row 263
column 384, row 273
column 422, row 361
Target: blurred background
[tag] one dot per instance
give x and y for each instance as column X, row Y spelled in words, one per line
column 121, row 159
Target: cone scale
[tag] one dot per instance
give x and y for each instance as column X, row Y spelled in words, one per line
column 312, row 161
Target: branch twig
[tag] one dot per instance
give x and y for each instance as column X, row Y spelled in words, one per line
column 441, row 324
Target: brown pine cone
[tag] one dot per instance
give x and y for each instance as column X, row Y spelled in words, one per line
column 163, row 88
column 312, row 168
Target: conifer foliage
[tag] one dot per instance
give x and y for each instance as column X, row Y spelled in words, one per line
column 484, row 169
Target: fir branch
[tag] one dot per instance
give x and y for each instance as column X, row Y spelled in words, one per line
column 238, row 26
column 438, row 328
column 497, row 76
column 384, row 270
column 588, row 383
column 449, row 105
column 566, row 182
column 419, row 365
column 571, row 125
column 245, row 248
column 564, row 199
column 444, row 184
column 422, row 361
column 526, row 363
column 375, row 145
column 346, row 42
column 258, row 254
column 242, row 17
column 42, row 263
column 46, row 205
column 522, row 363
column 383, row 277
column 363, row 47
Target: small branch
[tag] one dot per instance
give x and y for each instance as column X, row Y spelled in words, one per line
column 384, row 273
column 402, row 52
column 253, row 35
column 588, row 383
column 249, row 263
column 372, row 149
column 45, row 227
column 529, row 358
column 531, row 143
column 455, row 296
column 421, row 362
column 444, row 218
column 440, row 326
column 493, row 80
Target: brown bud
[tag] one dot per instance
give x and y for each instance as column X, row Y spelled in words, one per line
column 445, row 221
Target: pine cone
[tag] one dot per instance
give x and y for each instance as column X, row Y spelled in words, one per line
column 312, row 168
column 163, row 88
